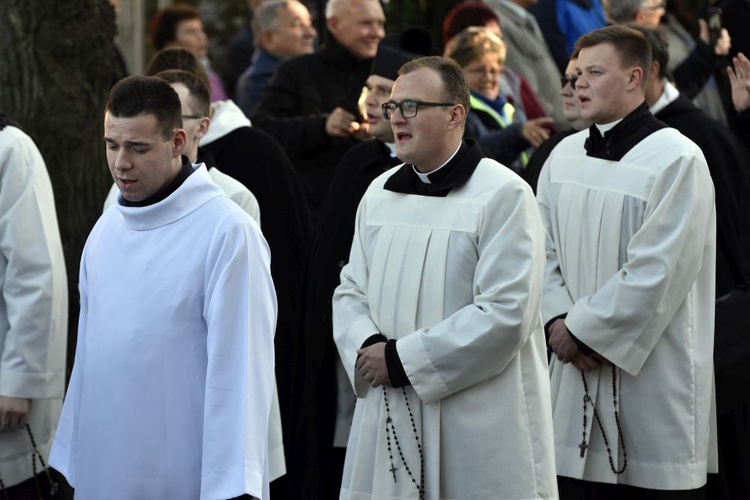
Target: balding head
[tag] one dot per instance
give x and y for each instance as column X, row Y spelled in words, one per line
column 357, row 25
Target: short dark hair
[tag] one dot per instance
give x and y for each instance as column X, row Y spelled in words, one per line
column 163, row 24
column 631, row 44
column 454, row 84
column 465, row 15
column 177, row 58
column 659, row 47
column 197, row 88
column 137, row 94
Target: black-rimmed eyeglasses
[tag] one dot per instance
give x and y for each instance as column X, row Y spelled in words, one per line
column 408, row 108
column 192, row 117
column 564, row 80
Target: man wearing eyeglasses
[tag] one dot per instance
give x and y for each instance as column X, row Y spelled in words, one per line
column 328, row 414
column 437, row 319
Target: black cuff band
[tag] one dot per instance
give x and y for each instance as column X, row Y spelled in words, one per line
column 395, row 369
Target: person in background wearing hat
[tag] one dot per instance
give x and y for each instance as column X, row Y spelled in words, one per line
column 326, row 424
column 436, row 319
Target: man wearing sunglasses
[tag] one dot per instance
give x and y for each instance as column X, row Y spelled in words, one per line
column 437, row 320
column 572, row 113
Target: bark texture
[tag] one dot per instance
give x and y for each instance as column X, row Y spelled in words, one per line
column 56, row 70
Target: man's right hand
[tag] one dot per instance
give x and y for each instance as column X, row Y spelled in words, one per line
column 341, row 123
column 14, row 413
column 739, row 77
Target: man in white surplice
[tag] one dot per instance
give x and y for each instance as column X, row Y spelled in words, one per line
column 628, row 207
column 437, row 316
column 172, row 386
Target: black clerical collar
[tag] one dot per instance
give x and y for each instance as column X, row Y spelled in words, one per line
column 205, row 156
column 455, row 173
column 5, row 120
column 616, row 143
column 187, row 169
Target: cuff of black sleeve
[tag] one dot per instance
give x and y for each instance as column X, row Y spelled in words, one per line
column 395, row 369
column 583, row 347
column 549, row 323
column 374, row 339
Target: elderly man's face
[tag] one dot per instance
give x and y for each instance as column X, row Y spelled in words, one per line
column 359, row 26
column 650, row 13
column 294, row 34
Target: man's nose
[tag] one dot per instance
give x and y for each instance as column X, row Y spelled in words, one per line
column 397, row 116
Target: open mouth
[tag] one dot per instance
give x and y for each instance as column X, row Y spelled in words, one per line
column 402, row 137
column 127, row 183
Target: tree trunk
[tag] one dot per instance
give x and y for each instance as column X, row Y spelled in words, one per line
column 55, row 74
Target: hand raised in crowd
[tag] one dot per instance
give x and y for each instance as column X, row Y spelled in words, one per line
column 723, row 43
column 371, row 364
column 535, row 131
column 341, row 123
column 739, row 77
column 14, row 413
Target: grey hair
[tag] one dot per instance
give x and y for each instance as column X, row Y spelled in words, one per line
column 335, row 7
column 623, row 11
column 266, row 18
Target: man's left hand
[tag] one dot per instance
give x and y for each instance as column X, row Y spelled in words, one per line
column 561, row 343
column 14, row 413
column 371, row 364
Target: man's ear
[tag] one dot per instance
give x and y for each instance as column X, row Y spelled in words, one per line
column 204, row 123
column 458, row 116
column 179, row 141
column 655, row 70
column 332, row 23
column 635, row 77
column 265, row 38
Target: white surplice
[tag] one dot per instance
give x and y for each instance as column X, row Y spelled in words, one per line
column 173, row 379
column 630, row 259
column 33, row 302
column 457, row 281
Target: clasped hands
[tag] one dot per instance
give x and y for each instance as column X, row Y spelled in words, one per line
column 371, row 364
column 567, row 351
column 14, row 413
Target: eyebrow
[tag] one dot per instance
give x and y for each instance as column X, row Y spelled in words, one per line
column 128, row 143
column 590, row 66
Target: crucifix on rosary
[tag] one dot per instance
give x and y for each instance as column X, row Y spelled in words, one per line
column 393, row 471
column 583, row 447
